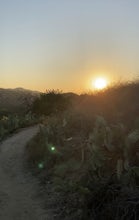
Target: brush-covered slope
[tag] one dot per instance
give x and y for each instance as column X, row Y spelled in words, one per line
column 16, row 100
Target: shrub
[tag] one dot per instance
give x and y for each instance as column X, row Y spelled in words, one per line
column 51, row 102
column 94, row 161
column 10, row 123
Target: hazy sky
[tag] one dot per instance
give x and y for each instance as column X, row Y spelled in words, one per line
column 64, row 44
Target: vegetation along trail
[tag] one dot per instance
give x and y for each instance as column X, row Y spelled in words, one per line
column 18, row 189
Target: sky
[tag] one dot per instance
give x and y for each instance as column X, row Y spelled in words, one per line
column 65, row 44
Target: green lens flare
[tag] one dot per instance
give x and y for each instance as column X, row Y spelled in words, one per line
column 40, row 165
column 53, row 148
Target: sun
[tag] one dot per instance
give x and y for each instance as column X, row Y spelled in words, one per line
column 100, row 83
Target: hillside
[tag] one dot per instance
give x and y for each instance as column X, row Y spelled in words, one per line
column 16, row 100
column 87, row 157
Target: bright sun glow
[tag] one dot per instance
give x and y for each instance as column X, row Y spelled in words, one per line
column 100, row 83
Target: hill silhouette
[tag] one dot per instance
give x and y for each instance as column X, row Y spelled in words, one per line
column 16, row 100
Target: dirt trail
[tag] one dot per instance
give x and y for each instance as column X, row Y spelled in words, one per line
column 18, row 189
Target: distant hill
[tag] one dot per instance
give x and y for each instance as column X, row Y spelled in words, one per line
column 16, row 100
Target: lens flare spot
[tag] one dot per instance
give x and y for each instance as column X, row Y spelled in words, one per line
column 53, row 148
column 40, row 165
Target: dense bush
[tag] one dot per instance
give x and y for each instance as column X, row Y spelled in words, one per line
column 118, row 103
column 92, row 160
column 10, row 123
column 98, row 164
column 51, row 102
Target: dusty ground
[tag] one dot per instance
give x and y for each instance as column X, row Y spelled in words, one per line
column 18, row 189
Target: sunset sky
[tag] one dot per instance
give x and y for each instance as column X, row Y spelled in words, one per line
column 65, row 44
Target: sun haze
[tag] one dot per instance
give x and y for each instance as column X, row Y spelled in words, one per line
column 100, row 83
column 58, row 44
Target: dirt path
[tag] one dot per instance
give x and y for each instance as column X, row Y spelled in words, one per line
column 18, row 189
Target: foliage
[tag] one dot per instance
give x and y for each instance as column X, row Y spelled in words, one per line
column 92, row 160
column 93, row 168
column 10, row 123
column 51, row 102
